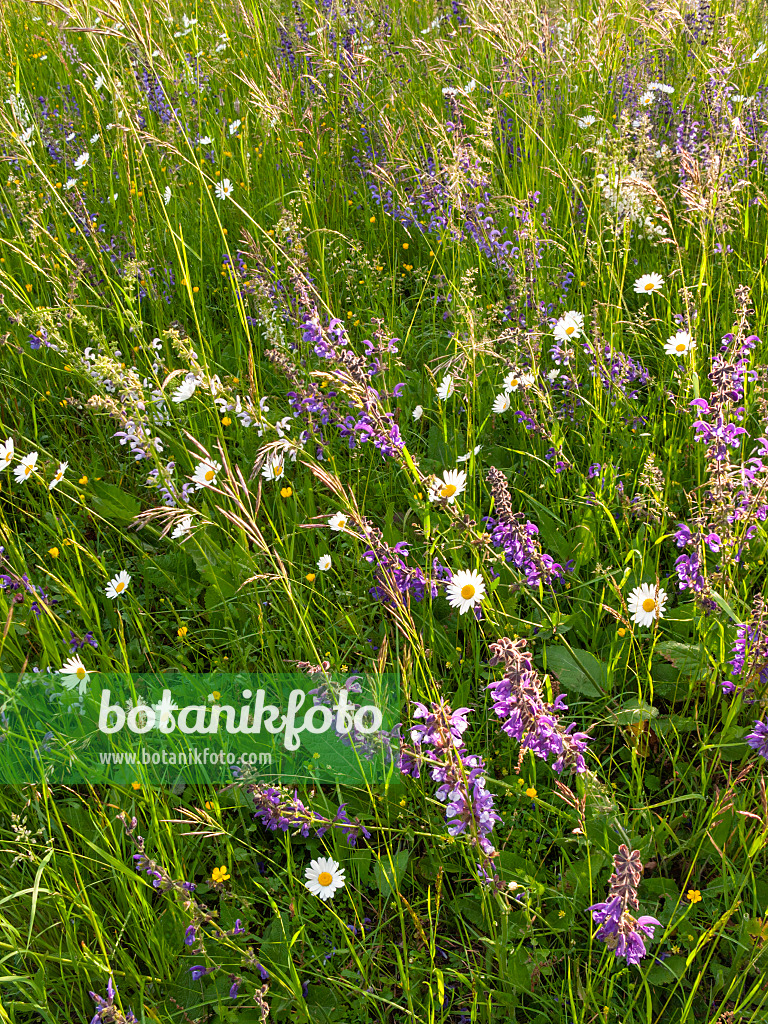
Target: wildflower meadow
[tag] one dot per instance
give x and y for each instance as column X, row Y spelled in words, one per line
column 386, row 381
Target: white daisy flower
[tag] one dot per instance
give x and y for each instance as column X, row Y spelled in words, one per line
column 68, row 138
column 25, row 468
column 70, row 184
column 118, row 585
column 234, row 126
column 585, row 122
column 6, row 454
column 553, row 375
column 186, row 390
column 274, row 469
column 646, row 604
column 454, row 481
column 680, row 344
column 465, row 590
column 324, row 563
column 648, row 283
column 205, row 474
column 501, row 402
column 338, row 522
column 512, row 381
column 58, row 476
column 75, row 674
column 99, row 83
column 205, row 141
column 167, row 195
column 26, row 136
column 418, row 412
column 182, row 528
column 82, row 160
column 527, row 379
column 570, row 325
column 224, row 189
column 324, row 877
column 446, row 388
column 468, row 456
column 761, row 49
column 95, row 138
column 661, row 87
column 646, row 99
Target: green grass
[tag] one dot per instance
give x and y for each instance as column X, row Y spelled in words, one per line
column 111, row 295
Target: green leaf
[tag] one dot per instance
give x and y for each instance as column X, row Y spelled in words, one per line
column 669, row 970
column 388, row 873
column 577, row 670
column 688, row 658
column 113, row 503
column 633, row 711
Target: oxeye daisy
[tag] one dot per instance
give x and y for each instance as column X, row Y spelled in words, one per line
column 324, row 563
column 680, row 344
column 25, row 468
column 646, row 99
column 6, row 453
column 324, row 877
column 338, row 522
column 454, row 481
column 648, row 283
column 75, row 674
column 418, row 412
column 58, row 476
column 646, row 604
column 224, row 189
column 446, row 388
column 182, row 528
column 570, row 325
column 187, row 389
column 274, row 469
column 501, row 403
column 512, row 381
column 465, row 590
column 82, row 160
column 205, row 474
column 468, row 456
column 118, row 585
column 586, row 121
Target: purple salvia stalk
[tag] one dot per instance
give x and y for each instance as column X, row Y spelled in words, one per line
column 278, row 811
column 438, row 745
column 526, row 716
column 619, row 929
column 758, row 739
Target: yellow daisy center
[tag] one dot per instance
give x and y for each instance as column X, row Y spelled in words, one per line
column 120, row 587
column 649, row 604
column 324, row 878
column 514, row 382
column 27, row 470
column 467, row 591
column 680, row 347
column 277, row 470
column 80, row 672
column 650, row 286
column 448, row 491
column 570, row 329
column 209, row 476
column 342, row 523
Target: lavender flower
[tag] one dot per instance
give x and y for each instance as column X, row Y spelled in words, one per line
column 619, row 930
column 758, row 739
column 525, row 715
column 278, row 811
column 749, row 655
column 460, row 775
column 107, row 1012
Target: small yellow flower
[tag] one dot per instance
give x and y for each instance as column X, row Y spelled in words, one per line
column 182, row 631
column 310, row 577
column 521, row 783
column 208, row 805
column 53, row 552
column 403, row 802
column 216, row 695
column 622, row 631
column 195, row 289
column 405, row 245
column 531, row 792
column 83, row 480
column 135, row 785
column 286, row 492
column 226, row 421
column 220, row 874
column 675, row 949
column 693, row 896
column 561, row 913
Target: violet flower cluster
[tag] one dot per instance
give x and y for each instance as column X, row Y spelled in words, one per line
column 394, row 576
column 278, row 811
column 749, row 654
column 20, row 587
column 758, row 739
column 526, row 716
column 619, row 929
column 519, row 537
column 439, row 746
column 107, row 1012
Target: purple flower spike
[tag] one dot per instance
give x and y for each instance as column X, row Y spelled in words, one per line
column 619, row 929
column 758, row 739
